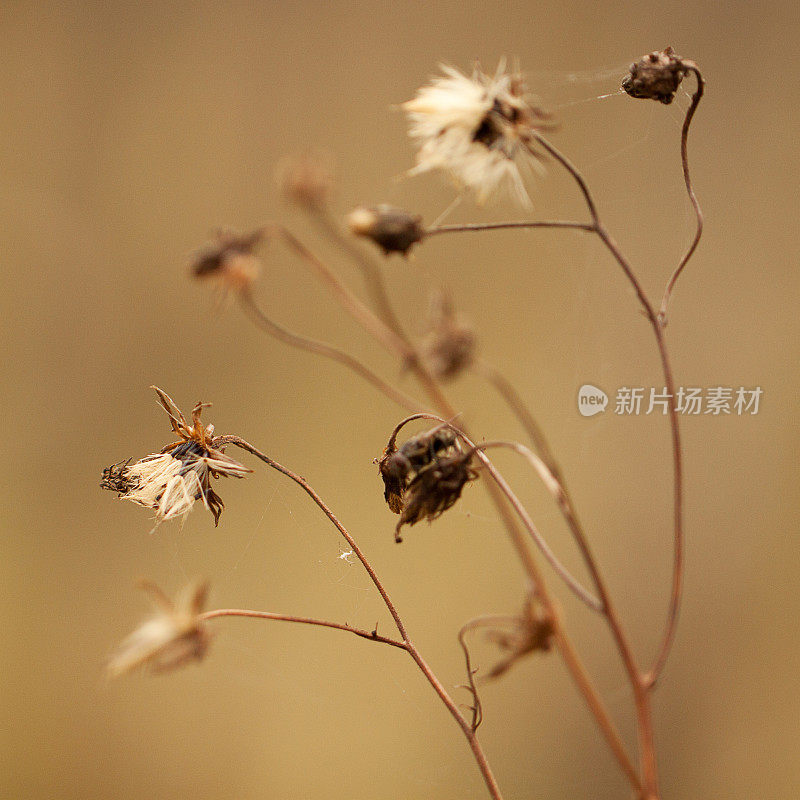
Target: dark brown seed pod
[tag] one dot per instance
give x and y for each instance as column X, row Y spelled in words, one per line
column 655, row 76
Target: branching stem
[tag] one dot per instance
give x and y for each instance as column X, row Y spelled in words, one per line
column 568, row 652
column 406, row 644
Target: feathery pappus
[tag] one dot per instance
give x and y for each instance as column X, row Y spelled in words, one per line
column 478, row 128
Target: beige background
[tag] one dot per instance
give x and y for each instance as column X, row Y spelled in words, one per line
column 128, row 133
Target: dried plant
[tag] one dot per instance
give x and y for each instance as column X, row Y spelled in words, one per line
column 484, row 132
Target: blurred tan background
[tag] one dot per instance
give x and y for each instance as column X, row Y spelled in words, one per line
column 128, row 133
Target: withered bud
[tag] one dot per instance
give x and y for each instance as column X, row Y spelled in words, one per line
column 306, row 180
column 655, row 76
column 434, row 489
column 397, row 466
column 449, row 345
column 229, row 259
column 532, row 632
column 425, row 476
column 392, row 229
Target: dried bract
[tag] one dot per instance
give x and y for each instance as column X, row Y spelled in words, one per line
column 392, row 229
column 170, row 639
column 655, row 76
column 449, row 346
column 171, row 481
column 478, row 129
column 532, row 632
column 229, row 260
column 425, row 476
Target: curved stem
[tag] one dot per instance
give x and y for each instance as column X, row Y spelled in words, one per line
column 372, row 636
column 553, row 486
column 573, row 583
column 646, row 682
column 517, row 405
column 690, row 66
column 606, row 606
column 677, row 458
column 222, row 441
column 568, row 653
column 466, row 727
column 676, row 592
column 374, row 326
column 406, row 644
column 410, row 356
column 477, row 708
column 322, row 348
column 493, row 226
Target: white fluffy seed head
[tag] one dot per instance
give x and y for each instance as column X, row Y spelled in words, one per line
column 171, row 485
column 475, row 128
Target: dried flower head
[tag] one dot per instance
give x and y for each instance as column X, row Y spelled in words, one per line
column 392, row 229
column 655, row 76
column 449, row 345
column 425, row 476
column 229, row 260
column 531, row 632
column 306, row 180
column 171, row 481
column 174, row 636
column 478, row 129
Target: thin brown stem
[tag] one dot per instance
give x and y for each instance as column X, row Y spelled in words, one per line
column 372, row 636
column 466, row 727
column 676, row 592
column 477, row 707
column 677, row 458
column 647, row 745
column 499, row 495
column 690, row 66
column 286, row 336
column 371, row 270
column 647, row 681
column 406, row 644
column 576, row 529
column 222, row 441
column 573, row 583
column 494, row 226
column 520, row 410
column 372, row 324
column 485, row 621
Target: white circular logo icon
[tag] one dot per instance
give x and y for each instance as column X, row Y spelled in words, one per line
column 591, row 400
